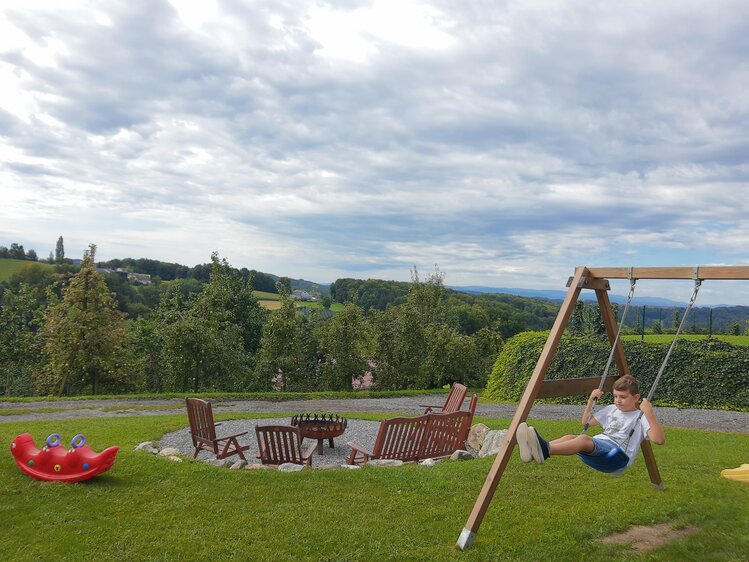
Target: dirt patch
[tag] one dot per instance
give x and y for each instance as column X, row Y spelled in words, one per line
column 642, row 538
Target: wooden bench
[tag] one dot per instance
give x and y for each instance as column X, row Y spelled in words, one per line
column 412, row 439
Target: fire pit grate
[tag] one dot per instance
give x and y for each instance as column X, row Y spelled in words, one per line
column 320, row 426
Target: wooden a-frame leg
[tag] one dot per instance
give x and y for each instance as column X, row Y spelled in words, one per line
column 609, row 321
column 655, row 475
column 468, row 535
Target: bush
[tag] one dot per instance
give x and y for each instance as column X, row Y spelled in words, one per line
column 705, row 373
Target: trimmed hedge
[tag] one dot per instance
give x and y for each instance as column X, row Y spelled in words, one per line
column 705, row 373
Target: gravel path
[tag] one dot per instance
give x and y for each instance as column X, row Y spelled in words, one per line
column 713, row 420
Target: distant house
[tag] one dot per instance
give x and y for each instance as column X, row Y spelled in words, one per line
column 108, row 270
column 301, row 295
column 142, row 278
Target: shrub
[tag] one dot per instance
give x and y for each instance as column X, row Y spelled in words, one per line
column 706, row 373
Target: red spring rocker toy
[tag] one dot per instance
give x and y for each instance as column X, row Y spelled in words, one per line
column 55, row 464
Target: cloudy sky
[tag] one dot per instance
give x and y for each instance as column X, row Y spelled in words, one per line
column 504, row 141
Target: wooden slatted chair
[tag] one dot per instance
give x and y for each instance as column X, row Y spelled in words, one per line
column 467, row 428
column 203, row 432
column 397, row 438
column 278, row 444
column 453, row 402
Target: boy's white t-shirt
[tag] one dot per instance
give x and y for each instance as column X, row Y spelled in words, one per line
column 617, row 425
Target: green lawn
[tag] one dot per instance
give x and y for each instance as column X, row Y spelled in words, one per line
column 274, row 396
column 148, row 508
column 264, row 295
column 667, row 338
column 9, row 267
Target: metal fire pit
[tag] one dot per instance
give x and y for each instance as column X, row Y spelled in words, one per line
column 320, row 427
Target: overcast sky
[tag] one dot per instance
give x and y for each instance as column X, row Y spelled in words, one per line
column 504, row 141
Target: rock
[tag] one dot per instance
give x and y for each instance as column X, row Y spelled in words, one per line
column 477, row 435
column 238, row 465
column 430, row 462
column 462, row 456
column 259, row 467
column 385, row 462
column 220, row 463
column 147, row 445
column 174, row 458
column 168, row 452
column 493, row 442
column 351, row 466
column 290, row 467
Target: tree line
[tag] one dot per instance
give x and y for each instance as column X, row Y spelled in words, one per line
column 63, row 332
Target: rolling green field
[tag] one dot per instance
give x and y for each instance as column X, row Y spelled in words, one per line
column 149, row 508
column 9, row 267
column 667, row 338
column 274, row 297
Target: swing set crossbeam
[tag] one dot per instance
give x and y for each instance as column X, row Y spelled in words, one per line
column 718, row 272
column 595, row 278
column 571, row 387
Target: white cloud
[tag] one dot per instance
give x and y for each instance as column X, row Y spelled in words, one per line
column 507, row 142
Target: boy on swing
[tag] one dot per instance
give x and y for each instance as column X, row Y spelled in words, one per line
column 612, row 451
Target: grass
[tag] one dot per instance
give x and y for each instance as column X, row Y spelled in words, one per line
column 667, row 338
column 10, row 267
column 149, row 508
column 268, row 396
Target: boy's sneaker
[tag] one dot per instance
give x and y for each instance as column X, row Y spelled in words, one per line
column 523, row 444
column 534, row 444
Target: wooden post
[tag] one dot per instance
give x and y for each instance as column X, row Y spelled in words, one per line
column 468, row 535
column 655, row 476
column 609, row 320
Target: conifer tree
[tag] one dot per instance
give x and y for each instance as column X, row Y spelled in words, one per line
column 83, row 333
column 59, row 251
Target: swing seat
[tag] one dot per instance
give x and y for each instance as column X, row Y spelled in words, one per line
column 613, row 460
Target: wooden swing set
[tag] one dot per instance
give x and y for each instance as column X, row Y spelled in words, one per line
column 596, row 279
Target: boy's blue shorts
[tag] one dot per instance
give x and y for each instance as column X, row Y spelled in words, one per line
column 606, row 457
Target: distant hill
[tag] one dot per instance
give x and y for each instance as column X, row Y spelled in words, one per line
column 556, row 295
column 656, row 309
column 304, row 285
column 168, row 271
column 8, row 267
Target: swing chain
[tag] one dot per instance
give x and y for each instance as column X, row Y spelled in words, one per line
column 692, row 299
column 632, row 282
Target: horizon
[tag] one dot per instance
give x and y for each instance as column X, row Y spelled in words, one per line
column 507, row 144
column 685, row 286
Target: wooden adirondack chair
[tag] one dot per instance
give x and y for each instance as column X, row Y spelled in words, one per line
column 453, row 402
column 203, row 431
column 279, row 444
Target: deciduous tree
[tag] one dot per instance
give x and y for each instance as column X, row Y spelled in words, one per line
column 343, row 346
column 20, row 318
